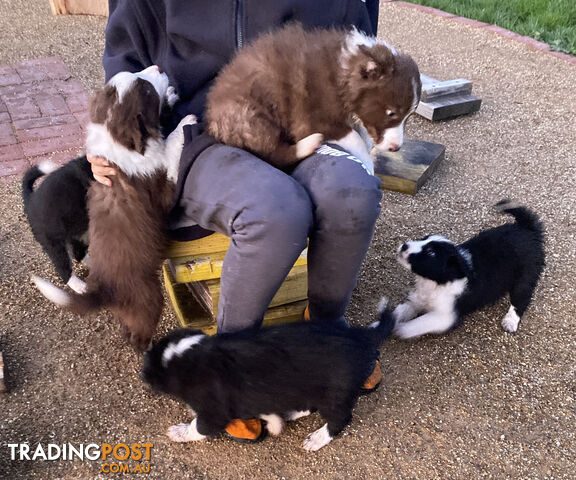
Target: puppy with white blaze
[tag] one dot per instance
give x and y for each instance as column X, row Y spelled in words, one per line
column 455, row 280
column 277, row 373
column 127, row 221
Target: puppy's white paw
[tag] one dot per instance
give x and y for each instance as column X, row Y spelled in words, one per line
column 291, row 416
column 403, row 313
column 77, row 285
column 407, row 330
column 189, row 120
column 274, row 424
column 511, row 320
column 171, row 96
column 318, row 439
column 184, row 432
column 308, row 145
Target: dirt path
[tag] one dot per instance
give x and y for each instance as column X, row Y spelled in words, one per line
column 478, row 403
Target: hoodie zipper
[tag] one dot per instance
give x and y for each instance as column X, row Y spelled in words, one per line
column 239, row 24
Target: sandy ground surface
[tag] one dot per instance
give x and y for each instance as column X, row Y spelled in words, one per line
column 478, row 403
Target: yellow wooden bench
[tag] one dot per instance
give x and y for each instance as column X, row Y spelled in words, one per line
column 192, row 279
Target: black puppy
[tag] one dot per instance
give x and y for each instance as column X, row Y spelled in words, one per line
column 276, row 373
column 455, row 280
column 57, row 213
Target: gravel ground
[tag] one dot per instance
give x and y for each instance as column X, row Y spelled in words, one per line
column 476, row 404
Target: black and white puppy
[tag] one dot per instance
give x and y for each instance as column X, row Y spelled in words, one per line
column 455, row 280
column 57, row 215
column 277, row 373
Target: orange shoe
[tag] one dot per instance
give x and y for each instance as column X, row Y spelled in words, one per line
column 245, row 431
column 373, row 381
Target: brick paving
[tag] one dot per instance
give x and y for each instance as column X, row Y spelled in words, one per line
column 43, row 114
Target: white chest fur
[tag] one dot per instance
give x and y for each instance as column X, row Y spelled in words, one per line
column 430, row 296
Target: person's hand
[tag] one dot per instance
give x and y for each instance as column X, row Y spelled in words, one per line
column 101, row 170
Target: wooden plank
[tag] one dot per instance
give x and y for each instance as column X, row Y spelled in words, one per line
column 435, row 89
column 407, row 169
column 210, row 244
column 58, row 7
column 207, row 266
column 446, row 99
column 192, row 314
column 449, row 106
column 79, row 7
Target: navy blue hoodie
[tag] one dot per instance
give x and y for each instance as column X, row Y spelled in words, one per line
column 191, row 40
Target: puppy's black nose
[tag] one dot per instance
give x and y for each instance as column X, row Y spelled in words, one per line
column 404, row 247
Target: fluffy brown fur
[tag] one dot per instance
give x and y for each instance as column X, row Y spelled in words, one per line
column 292, row 83
column 127, row 220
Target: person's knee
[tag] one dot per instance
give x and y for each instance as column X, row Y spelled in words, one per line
column 348, row 199
column 280, row 211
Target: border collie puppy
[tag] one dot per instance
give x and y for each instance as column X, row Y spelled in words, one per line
column 56, row 212
column 455, row 280
column 290, row 90
column 277, row 373
column 127, row 220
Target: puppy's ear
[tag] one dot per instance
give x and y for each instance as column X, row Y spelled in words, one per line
column 456, row 266
column 101, row 103
column 377, row 63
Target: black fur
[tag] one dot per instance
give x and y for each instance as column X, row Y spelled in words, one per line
column 277, row 370
column 507, row 260
column 56, row 212
column 504, row 260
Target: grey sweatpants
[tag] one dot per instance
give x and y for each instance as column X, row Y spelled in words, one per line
column 329, row 199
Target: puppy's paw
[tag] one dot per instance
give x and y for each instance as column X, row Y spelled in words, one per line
column 189, row 120
column 406, row 331
column 274, row 424
column 184, row 432
column 171, row 96
column 308, row 145
column 77, row 285
column 510, row 321
column 403, row 313
column 291, row 416
column 318, row 439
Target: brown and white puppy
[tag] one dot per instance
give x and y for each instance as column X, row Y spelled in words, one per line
column 127, row 220
column 290, row 90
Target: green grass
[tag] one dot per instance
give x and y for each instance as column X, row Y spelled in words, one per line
column 550, row 21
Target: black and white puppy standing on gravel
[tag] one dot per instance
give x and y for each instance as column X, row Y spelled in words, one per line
column 455, row 280
column 277, row 373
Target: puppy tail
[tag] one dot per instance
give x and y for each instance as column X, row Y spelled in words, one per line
column 383, row 328
column 524, row 217
column 76, row 303
column 33, row 174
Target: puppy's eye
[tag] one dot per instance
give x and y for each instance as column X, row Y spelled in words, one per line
column 390, row 113
column 430, row 252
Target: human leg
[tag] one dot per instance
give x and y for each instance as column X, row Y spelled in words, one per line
column 267, row 215
column 346, row 203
